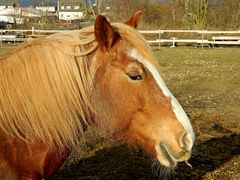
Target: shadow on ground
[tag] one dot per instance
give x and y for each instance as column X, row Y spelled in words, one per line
column 122, row 163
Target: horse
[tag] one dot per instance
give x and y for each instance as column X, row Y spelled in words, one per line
column 104, row 76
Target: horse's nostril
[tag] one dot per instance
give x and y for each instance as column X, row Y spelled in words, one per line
column 185, row 141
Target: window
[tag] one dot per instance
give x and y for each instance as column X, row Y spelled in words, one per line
column 68, row 7
column 62, row 7
column 2, row 7
column 76, row 7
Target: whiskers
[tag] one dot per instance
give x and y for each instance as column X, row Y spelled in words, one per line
column 161, row 171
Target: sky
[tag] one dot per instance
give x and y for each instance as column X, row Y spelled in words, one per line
column 24, row 2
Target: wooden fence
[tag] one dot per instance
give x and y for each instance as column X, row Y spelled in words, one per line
column 213, row 37
column 216, row 37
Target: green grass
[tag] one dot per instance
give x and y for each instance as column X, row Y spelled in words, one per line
column 3, row 49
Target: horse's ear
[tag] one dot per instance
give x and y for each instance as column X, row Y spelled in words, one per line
column 133, row 21
column 104, row 33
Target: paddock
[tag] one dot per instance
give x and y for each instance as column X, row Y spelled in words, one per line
column 207, row 85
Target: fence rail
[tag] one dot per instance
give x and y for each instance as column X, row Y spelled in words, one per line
column 225, row 38
column 189, row 31
column 173, row 40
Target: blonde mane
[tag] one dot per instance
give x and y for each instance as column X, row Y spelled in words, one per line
column 46, row 86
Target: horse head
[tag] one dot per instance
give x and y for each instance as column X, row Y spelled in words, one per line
column 141, row 108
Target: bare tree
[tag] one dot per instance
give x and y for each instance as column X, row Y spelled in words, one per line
column 196, row 12
column 234, row 7
column 98, row 5
column 190, row 14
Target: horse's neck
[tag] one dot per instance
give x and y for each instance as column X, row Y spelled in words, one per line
column 93, row 63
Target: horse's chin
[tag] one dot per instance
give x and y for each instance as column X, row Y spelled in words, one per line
column 168, row 159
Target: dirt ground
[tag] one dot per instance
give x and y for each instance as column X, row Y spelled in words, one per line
column 207, row 84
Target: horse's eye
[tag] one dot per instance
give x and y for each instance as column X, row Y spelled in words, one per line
column 135, row 77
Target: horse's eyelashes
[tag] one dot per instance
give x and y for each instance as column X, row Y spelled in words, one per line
column 135, row 77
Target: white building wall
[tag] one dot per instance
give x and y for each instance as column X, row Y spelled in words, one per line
column 70, row 15
column 10, row 19
column 14, row 15
column 2, row 7
column 46, row 8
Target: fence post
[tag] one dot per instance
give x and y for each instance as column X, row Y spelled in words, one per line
column 202, row 39
column 1, row 37
column 159, row 38
column 33, row 31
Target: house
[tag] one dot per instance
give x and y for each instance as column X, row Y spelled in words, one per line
column 46, row 6
column 70, row 9
column 18, row 14
column 4, row 4
column 7, row 11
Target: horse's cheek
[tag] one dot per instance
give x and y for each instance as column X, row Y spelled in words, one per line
column 121, row 95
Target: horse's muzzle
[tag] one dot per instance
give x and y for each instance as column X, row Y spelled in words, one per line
column 173, row 159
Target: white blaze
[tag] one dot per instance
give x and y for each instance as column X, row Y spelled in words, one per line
column 177, row 108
